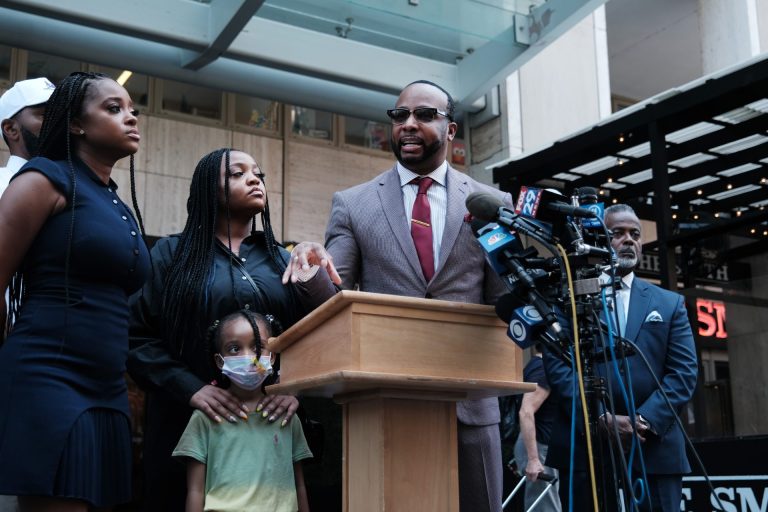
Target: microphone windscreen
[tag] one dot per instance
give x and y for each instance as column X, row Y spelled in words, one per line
column 483, row 206
column 506, row 306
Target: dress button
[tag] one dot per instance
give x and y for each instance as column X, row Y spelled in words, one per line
column 133, row 233
column 247, row 306
column 242, row 259
column 244, row 278
column 124, row 217
column 114, row 201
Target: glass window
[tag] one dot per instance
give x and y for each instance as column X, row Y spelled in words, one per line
column 312, row 123
column 137, row 85
column 256, row 112
column 368, row 134
column 53, row 68
column 191, row 99
column 5, row 62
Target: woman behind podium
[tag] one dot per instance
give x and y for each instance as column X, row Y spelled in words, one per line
column 217, row 265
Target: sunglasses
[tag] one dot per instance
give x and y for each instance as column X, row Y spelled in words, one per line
column 421, row 114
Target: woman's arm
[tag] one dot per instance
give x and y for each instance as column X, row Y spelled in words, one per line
column 195, row 485
column 301, row 490
column 26, row 204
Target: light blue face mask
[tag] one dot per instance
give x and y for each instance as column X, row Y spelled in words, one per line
column 246, row 371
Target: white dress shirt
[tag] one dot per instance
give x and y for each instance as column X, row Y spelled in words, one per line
column 437, row 195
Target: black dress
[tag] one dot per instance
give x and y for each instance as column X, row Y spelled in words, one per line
column 64, row 417
column 171, row 379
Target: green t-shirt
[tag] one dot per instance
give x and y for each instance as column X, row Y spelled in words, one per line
column 249, row 465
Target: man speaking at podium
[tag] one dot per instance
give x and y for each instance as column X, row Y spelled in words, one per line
column 404, row 233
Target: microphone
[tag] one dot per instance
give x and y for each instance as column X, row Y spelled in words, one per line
column 588, row 200
column 498, row 243
column 525, row 323
column 547, row 205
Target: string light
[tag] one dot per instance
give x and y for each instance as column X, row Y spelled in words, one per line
column 699, row 192
column 738, row 213
column 730, row 186
column 674, row 216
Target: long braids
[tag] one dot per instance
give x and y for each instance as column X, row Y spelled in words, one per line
column 190, row 275
column 64, row 105
column 186, row 288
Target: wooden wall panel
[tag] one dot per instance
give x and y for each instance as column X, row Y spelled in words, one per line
column 174, row 147
column 166, row 204
column 313, row 174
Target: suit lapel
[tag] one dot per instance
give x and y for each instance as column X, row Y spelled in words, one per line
column 391, row 197
column 456, row 185
column 639, row 300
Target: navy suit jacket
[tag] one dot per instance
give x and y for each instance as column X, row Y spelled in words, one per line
column 658, row 324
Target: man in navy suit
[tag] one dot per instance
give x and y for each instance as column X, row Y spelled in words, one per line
column 656, row 321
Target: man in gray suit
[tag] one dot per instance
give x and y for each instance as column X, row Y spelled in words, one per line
column 398, row 234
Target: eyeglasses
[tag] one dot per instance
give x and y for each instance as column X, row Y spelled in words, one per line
column 421, row 114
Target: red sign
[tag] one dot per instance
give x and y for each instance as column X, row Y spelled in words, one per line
column 711, row 316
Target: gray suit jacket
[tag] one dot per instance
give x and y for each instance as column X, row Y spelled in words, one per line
column 370, row 241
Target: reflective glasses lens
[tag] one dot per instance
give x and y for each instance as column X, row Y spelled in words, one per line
column 425, row 115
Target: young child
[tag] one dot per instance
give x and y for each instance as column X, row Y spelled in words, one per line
column 249, row 465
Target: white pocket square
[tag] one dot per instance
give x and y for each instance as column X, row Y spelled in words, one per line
column 654, row 316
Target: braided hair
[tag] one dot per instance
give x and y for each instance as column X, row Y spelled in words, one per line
column 213, row 341
column 190, row 274
column 55, row 143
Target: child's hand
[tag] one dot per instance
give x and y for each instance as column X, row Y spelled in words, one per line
column 274, row 406
column 219, row 403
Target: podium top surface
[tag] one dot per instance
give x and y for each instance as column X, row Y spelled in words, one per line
column 346, row 297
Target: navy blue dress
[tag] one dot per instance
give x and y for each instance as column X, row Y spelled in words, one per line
column 64, row 417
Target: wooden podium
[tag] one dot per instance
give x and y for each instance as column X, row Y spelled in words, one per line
column 398, row 365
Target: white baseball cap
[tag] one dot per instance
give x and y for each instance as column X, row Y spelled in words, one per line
column 23, row 94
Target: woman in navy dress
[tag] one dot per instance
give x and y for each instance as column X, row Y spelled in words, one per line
column 75, row 250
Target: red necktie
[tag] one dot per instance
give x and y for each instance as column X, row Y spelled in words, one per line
column 421, row 228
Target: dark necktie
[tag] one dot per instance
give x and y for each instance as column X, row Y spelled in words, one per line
column 421, row 228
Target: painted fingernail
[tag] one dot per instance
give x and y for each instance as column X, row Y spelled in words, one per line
column 259, row 408
column 232, row 419
column 272, row 418
column 264, row 414
column 244, row 416
column 283, row 423
column 217, row 419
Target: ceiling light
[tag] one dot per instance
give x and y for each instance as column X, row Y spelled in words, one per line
column 753, row 231
column 124, row 77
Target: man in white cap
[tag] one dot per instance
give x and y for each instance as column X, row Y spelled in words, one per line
column 21, row 116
